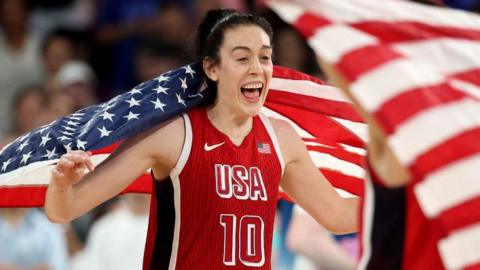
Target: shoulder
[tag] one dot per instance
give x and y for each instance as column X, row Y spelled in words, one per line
column 290, row 142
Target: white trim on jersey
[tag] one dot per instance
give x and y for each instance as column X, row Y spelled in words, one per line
column 368, row 213
column 271, row 132
column 174, row 175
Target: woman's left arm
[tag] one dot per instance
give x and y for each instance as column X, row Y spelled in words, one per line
column 307, row 186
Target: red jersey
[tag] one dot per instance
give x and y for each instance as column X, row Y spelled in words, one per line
column 217, row 209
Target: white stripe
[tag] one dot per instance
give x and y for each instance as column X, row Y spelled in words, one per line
column 354, row 11
column 466, row 87
column 432, row 127
column 462, row 248
column 274, row 138
column 174, row 175
column 288, row 11
column 308, row 88
column 449, row 55
column 270, row 113
column 355, row 150
column 334, row 41
column 368, row 214
column 359, row 129
column 37, row 173
column 375, row 87
column 327, row 161
column 345, row 194
column 450, row 186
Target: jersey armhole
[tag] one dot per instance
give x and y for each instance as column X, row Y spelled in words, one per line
column 187, row 146
column 273, row 137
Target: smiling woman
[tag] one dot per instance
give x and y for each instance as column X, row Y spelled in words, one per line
column 217, row 169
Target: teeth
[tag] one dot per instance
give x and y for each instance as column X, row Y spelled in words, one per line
column 253, row 85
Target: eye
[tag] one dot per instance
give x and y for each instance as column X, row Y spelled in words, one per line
column 266, row 58
column 242, row 59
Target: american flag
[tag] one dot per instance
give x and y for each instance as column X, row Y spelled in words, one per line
column 319, row 112
column 416, row 70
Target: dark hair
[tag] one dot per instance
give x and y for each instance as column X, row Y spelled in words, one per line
column 211, row 31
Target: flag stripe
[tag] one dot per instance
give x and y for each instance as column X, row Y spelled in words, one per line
column 352, row 184
column 409, row 143
column 393, row 113
column 461, row 215
column 466, row 144
column 460, row 249
column 449, row 186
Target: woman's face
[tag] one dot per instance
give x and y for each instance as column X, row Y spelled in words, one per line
column 245, row 69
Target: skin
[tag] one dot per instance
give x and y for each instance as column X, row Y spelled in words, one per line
column 242, row 60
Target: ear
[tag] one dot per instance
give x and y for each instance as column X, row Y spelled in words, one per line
column 210, row 68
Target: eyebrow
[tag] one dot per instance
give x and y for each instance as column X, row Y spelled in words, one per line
column 264, row 47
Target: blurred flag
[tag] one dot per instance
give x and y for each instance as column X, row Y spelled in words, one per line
column 325, row 120
column 416, row 70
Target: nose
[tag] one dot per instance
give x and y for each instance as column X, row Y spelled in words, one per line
column 256, row 67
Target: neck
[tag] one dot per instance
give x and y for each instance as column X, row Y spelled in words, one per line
column 235, row 126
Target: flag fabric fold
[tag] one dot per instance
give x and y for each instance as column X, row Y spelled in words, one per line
column 332, row 131
column 416, row 70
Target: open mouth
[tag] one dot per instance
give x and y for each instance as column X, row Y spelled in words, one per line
column 252, row 91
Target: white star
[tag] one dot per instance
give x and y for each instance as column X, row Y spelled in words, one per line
column 66, row 133
column 26, row 157
column 68, row 147
column 104, row 132
column 161, row 89
column 20, row 148
column 23, row 137
column 45, row 139
column 180, row 100
column 106, row 115
column 69, row 128
column 71, row 123
column 64, row 138
column 158, row 104
column 132, row 102
column 135, row 91
column 81, row 144
column 162, row 78
column 131, row 116
column 189, row 70
column 5, row 164
column 184, row 84
column 50, row 154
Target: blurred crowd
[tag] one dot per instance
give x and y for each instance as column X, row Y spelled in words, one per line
column 57, row 56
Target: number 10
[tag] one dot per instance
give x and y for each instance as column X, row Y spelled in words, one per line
column 251, row 251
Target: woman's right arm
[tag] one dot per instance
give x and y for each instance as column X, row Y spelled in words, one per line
column 72, row 192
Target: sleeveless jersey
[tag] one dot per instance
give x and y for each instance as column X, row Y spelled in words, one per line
column 217, row 209
column 395, row 232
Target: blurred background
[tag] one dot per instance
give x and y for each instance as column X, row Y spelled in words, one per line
column 57, row 56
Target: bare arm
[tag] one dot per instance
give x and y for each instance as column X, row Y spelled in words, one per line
column 308, row 187
column 71, row 192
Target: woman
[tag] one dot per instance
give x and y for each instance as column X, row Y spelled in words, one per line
column 217, row 169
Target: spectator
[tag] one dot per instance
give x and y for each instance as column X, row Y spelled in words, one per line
column 105, row 249
column 19, row 55
column 29, row 242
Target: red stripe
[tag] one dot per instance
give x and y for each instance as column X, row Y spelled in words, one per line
column 402, row 107
column 291, row 74
column 392, row 32
column 460, row 216
column 348, row 183
column 475, row 266
column 461, row 146
column 472, row 76
column 24, row 196
column 308, row 23
column 339, row 109
column 339, row 153
column 318, row 125
column 365, row 59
